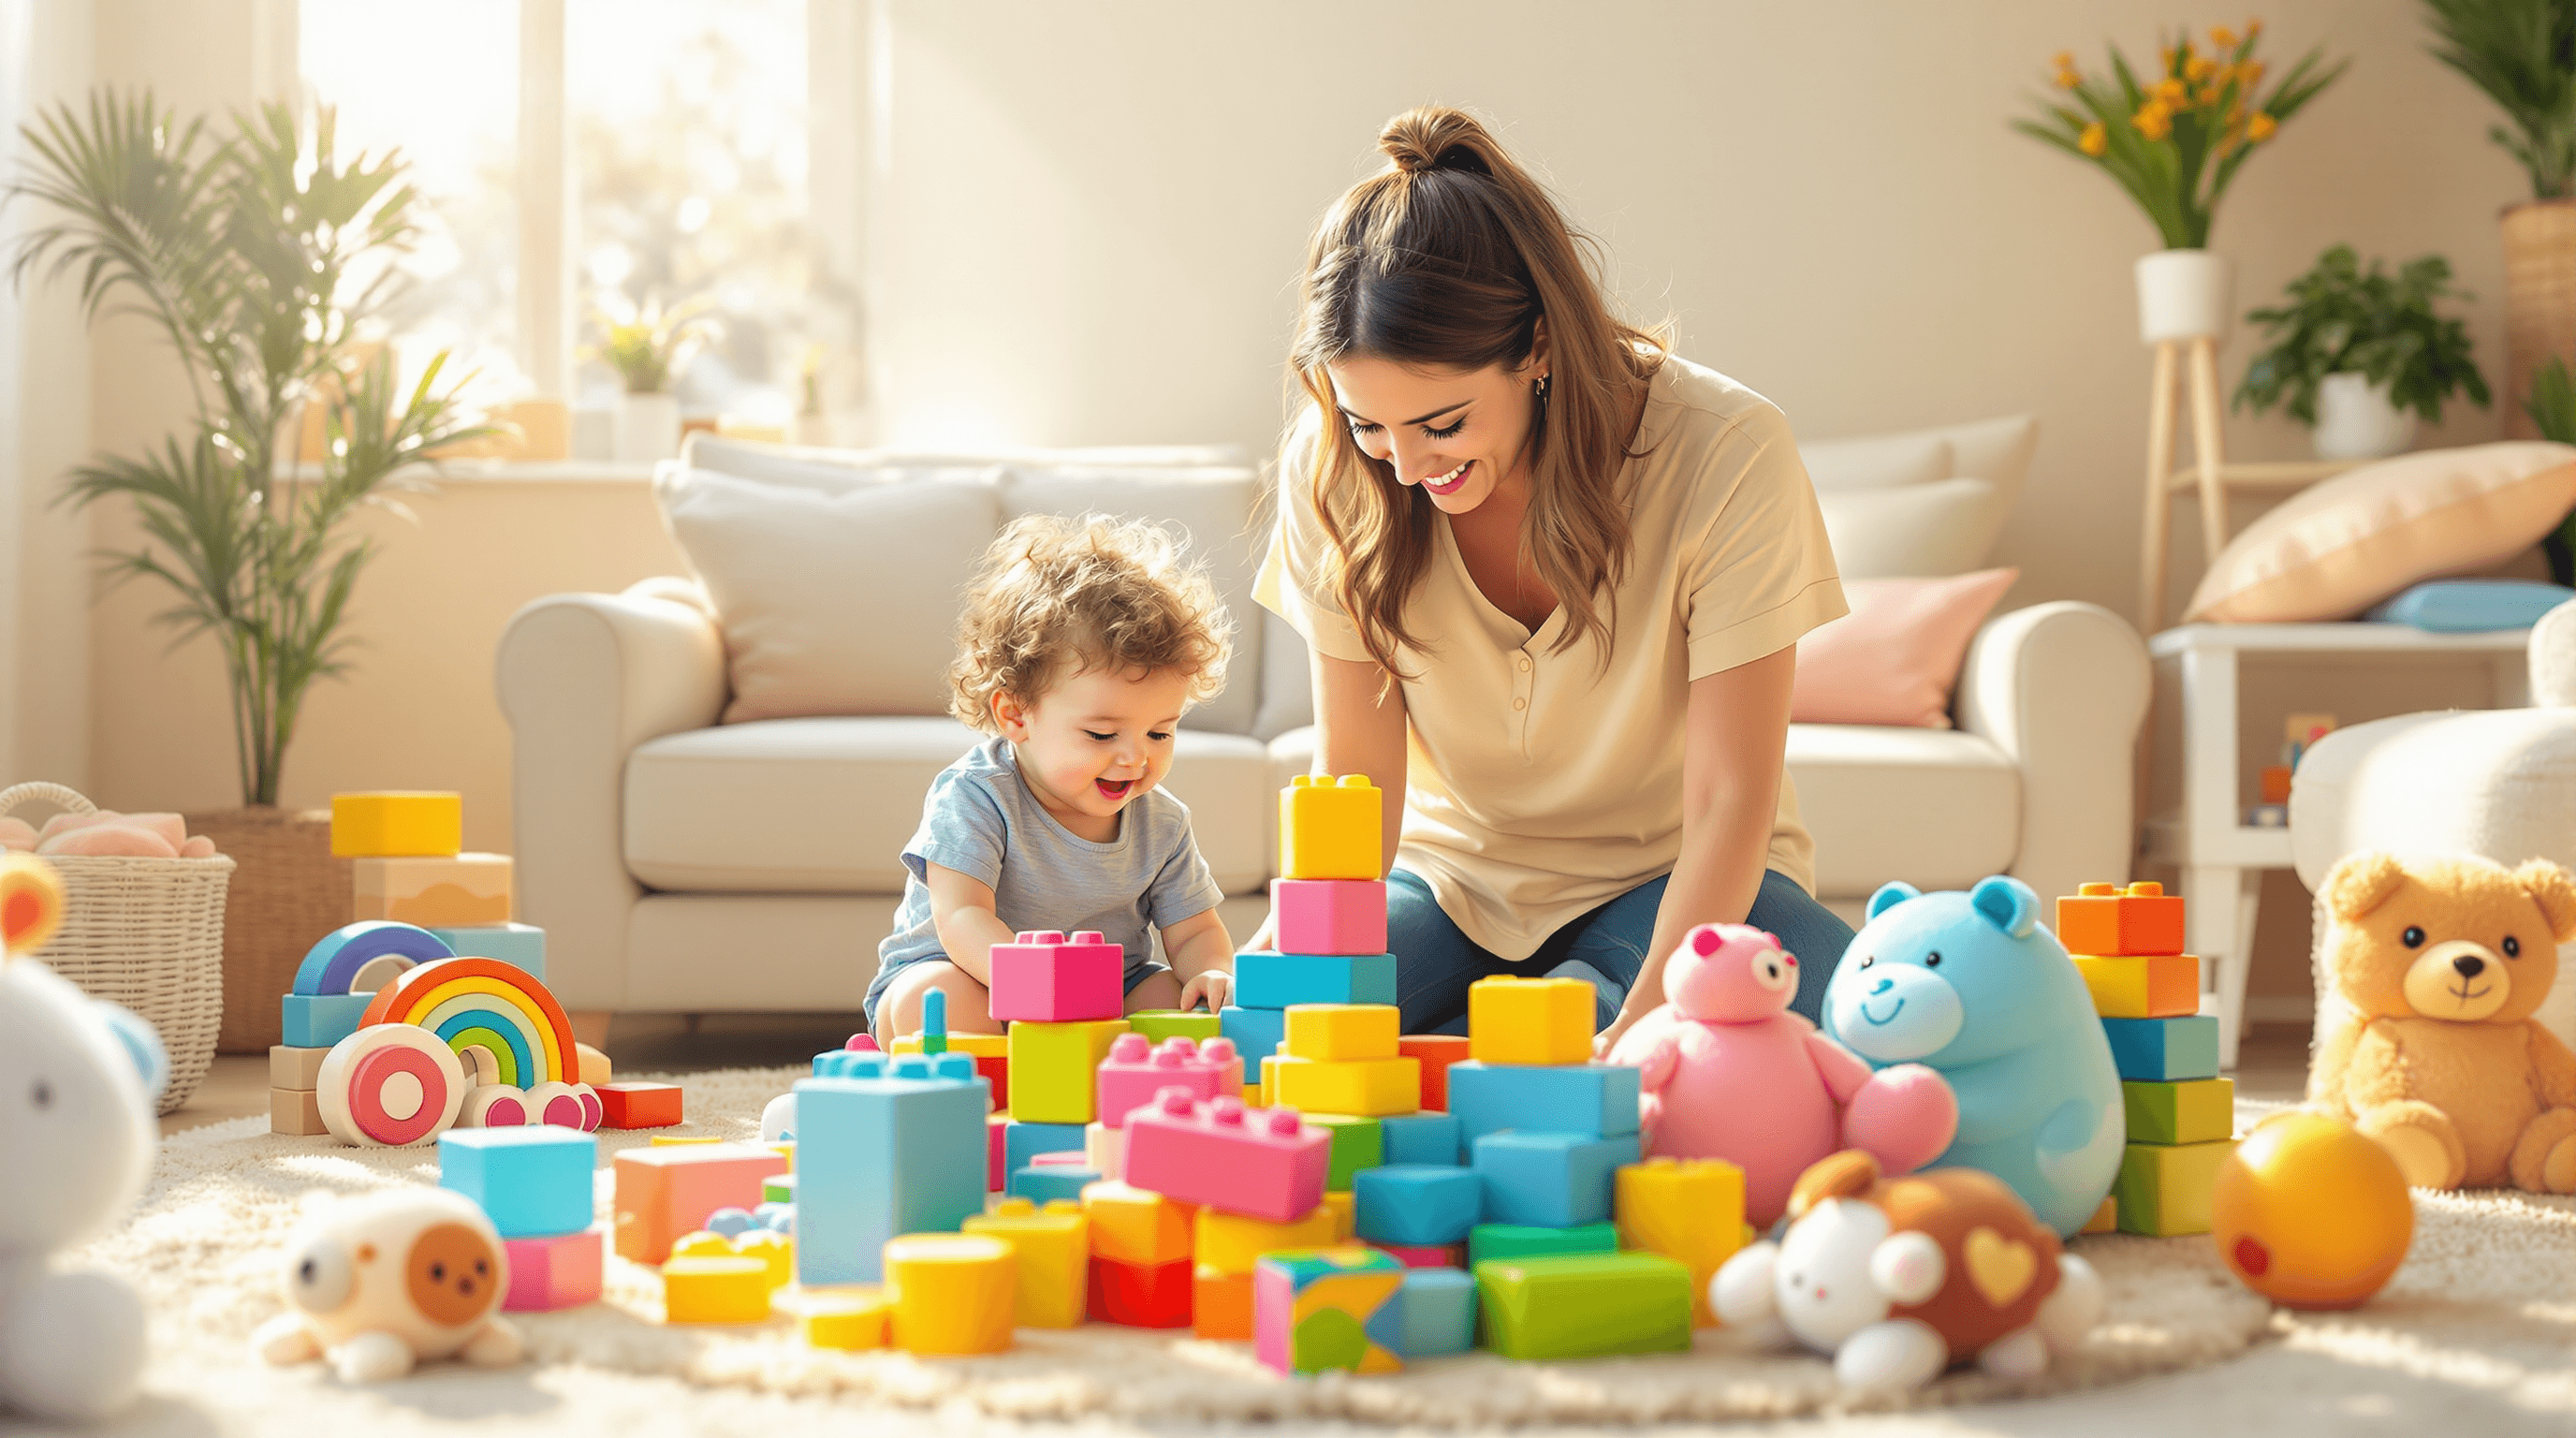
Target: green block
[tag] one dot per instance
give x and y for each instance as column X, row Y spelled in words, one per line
column 1198, row 1025
column 1583, row 1305
column 2165, row 1189
column 1521, row 1240
column 2180, row 1110
column 778, row 1188
column 1358, row 1143
column 1055, row 1068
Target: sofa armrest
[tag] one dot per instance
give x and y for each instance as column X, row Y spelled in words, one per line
column 583, row 679
column 2062, row 689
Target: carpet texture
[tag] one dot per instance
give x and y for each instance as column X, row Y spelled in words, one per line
column 2486, row 1300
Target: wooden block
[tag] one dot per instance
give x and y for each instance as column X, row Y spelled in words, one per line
column 452, row 891
column 2111, row 921
column 2186, row 1111
column 295, row 1111
column 595, row 1067
column 2156, row 986
column 391, row 823
column 291, row 1067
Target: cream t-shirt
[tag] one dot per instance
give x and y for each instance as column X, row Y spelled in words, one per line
column 1541, row 785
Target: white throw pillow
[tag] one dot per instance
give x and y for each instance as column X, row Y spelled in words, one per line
column 1883, row 462
column 1914, row 531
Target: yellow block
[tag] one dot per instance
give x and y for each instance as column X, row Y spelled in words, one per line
column 953, row 1292
column 1230, row 1243
column 1339, row 1032
column 702, row 1244
column 1688, row 1210
column 982, row 1046
column 786, row 1148
column 447, row 891
column 397, row 823
column 2160, row 986
column 1256, row 1096
column 1344, row 1205
column 715, row 1289
column 1136, row 1225
column 1054, row 1248
column 1332, row 828
column 845, row 1318
column 772, row 1248
column 1529, row 1021
column 1372, row 1088
column 673, row 1140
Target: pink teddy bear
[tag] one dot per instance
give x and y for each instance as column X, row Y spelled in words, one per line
column 1730, row 1073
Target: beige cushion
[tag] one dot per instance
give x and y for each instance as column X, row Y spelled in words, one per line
column 1880, row 462
column 824, row 805
column 1945, row 527
column 1938, row 808
column 2335, row 548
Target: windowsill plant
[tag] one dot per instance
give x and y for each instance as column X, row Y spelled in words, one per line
column 647, row 345
column 2358, row 355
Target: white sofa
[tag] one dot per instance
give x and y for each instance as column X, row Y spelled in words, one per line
column 684, row 865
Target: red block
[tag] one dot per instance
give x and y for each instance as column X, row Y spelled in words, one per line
column 1437, row 1052
column 1045, row 977
column 561, row 1271
column 995, row 1176
column 639, row 1105
column 1139, row 1295
column 996, row 1070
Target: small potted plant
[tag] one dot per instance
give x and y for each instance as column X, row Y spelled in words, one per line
column 2357, row 354
column 645, row 344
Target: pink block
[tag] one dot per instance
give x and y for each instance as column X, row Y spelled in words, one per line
column 1137, row 1069
column 1062, row 1158
column 1262, row 1163
column 1447, row 1255
column 1330, row 916
column 1050, row 979
column 995, row 1176
column 551, row 1273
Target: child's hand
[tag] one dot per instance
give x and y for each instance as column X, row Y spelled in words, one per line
column 1215, row 988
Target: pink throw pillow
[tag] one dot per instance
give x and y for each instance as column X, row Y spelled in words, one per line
column 1895, row 658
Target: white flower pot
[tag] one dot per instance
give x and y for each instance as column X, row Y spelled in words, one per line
column 812, row 430
column 2356, row 421
column 648, row 428
column 2184, row 294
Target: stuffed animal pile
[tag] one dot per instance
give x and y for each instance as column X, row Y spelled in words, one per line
column 106, row 834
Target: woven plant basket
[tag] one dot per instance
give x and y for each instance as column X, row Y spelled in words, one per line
column 145, row 933
column 289, row 892
column 2539, row 300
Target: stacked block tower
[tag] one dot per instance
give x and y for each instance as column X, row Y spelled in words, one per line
column 1064, row 997
column 2128, row 944
column 534, row 1183
column 1331, row 908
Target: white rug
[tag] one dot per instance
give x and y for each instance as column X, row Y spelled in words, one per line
column 2486, row 1304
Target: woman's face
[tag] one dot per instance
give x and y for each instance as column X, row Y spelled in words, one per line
column 1456, row 433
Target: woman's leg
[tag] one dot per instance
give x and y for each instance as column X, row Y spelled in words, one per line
column 1434, row 960
column 1610, row 943
column 1806, row 929
column 1612, row 939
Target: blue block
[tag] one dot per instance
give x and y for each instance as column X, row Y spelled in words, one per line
column 776, row 1217
column 1432, row 1314
column 1423, row 1138
column 1549, row 1180
column 532, row 1182
column 1418, row 1205
column 1266, row 980
column 519, row 945
column 1022, row 1142
column 1040, row 1182
column 333, row 963
column 2164, row 1050
column 1255, row 1033
column 1595, row 1099
column 892, row 1147
column 317, row 1021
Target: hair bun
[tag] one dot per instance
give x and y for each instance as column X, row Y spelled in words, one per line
column 1435, row 137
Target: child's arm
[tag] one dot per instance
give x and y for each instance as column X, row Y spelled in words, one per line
column 961, row 909
column 1202, row 958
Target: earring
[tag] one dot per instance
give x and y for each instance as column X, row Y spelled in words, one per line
column 1538, row 388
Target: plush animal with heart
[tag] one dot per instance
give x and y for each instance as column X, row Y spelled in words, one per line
column 2431, row 971
column 1899, row 1279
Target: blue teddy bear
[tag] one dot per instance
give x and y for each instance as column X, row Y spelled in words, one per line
column 1973, row 986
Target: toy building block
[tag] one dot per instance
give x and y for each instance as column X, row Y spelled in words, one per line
column 1332, row 828
column 2164, row 1049
column 1046, row 977
column 1422, row 1138
column 397, row 824
column 1315, row 1310
column 1198, row 1025
column 2165, row 1189
column 318, row 1021
column 663, row 1193
column 1368, row 1087
column 1266, row 1163
column 1435, row 1313
column 1688, row 1210
column 1330, row 916
column 1052, row 1067
column 675, row 1140
column 1418, row 1205
column 519, row 945
column 900, row 1148
column 1359, row 1142
column 455, row 891
column 1231, row 1243
column 1344, row 1205
column 1220, row 1304
column 2105, row 1219
column 715, row 1288
column 1051, row 1183
column 1336, row 1033
column 848, row 1319
column 1054, row 1247
column 1023, row 1142
column 1553, row 1180
column 1104, row 1149
column 557, row 1271
column 1137, row 1225
column 997, row 1165
column 1585, row 1305
column 2153, row 987
column 639, row 1105
column 592, row 1066
column 1255, row 1033
column 1141, row 1295
column 532, row 1182
column 1267, row 979
column 290, row 1067
column 296, row 1112
column 953, row 1292
column 773, row 1248
column 1444, row 1255
column 2108, row 920
column 1597, row 1099
column 777, row 1188
column 2190, row 1111
column 981, row 1046
column 1137, row 1069
column 1521, row 1240
column 1436, row 1052
column 1530, row 1021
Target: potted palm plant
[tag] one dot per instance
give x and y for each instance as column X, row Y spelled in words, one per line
column 2357, row 354
column 646, row 345
column 258, row 257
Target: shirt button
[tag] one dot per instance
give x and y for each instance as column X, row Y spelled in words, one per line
column 1524, row 663
column 1520, row 704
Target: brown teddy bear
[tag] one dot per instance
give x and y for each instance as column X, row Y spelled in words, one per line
column 2427, row 1042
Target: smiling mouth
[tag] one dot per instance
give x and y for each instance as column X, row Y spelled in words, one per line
column 2464, row 993
column 1875, row 1021
column 1451, row 482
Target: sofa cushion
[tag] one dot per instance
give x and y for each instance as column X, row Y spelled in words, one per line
column 1938, row 808
column 824, row 805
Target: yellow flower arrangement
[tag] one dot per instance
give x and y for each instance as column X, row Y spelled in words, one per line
column 2175, row 140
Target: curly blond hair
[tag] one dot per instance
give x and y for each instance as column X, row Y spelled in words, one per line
column 1056, row 597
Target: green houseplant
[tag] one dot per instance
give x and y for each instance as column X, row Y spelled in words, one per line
column 2355, row 353
column 645, row 344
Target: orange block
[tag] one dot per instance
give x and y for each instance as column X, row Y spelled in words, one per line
column 2110, row 922
column 665, row 1192
column 1437, row 1052
column 1220, row 1303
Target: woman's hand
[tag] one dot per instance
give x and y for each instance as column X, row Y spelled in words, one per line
column 1608, row 1039
column 1215, row 988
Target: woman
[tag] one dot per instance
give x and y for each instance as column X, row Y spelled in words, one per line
column 1553, row 578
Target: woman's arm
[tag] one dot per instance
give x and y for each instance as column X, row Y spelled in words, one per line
column 1733, row 737
column 961, row 909
column 1358, row 730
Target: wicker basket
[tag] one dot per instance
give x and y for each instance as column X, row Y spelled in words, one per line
column 145, row 933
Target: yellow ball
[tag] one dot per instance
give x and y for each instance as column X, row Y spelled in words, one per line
column 2310, row 1213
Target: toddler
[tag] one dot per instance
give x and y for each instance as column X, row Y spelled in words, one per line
column 1082, row 644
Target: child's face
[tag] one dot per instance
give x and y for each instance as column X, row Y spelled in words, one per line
column 1094, row 742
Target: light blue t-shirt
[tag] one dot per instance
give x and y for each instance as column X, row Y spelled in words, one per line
column 982, row 820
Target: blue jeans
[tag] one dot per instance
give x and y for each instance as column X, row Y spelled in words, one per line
column 1435, row 962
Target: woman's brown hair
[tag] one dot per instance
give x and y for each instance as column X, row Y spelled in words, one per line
column 1451, row 258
